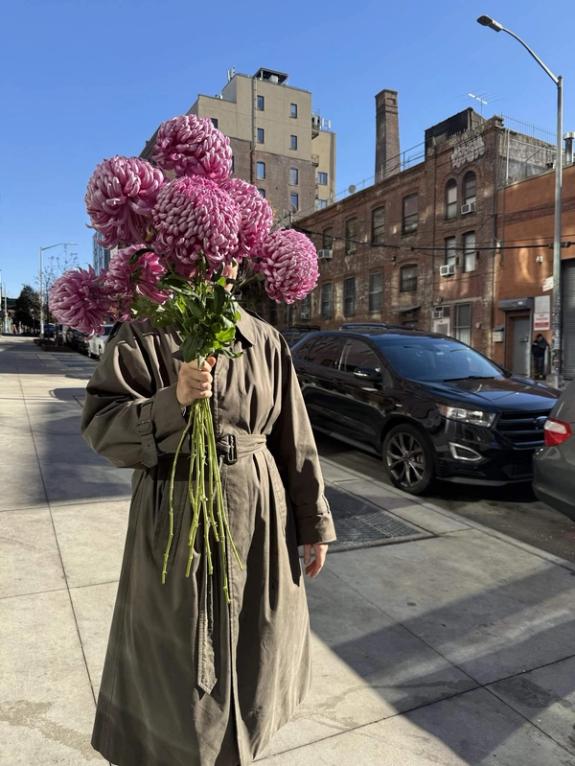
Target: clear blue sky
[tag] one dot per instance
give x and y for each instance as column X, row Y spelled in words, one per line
column 85, row 79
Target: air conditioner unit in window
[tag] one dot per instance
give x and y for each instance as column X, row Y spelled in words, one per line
column 443, row 327
column 325, row 254
column 440, row 312
column 469, row 207
column 448, row 270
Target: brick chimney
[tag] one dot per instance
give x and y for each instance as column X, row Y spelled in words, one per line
column 387, row 160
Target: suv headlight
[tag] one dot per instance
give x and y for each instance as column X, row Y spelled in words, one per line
column 476, row 417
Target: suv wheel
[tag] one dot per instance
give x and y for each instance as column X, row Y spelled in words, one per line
column 408, row 459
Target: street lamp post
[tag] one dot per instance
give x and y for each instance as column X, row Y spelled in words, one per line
column 41, row 275
column 487, row 21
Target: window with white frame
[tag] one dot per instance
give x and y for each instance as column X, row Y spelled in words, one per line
column 469, row 188
column 294, row 201
column 451, row 199
column 463, row 322
column 293, row 141
column 469, row 251
column 378, row 225
column 450, row 251
column 408, row 278
column 293, row 111
column 375, row 294
column 261, row 103
column 350, row 236
column 322, row 178
column 410, row 217
column 260, row 170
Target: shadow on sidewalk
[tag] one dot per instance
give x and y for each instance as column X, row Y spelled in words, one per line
column 500, row 633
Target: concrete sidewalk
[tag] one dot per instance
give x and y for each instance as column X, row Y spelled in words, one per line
column 454, row 649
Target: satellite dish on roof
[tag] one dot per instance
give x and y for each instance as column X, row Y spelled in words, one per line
column 352, row 189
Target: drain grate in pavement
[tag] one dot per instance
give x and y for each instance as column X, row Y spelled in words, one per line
column 362, row 524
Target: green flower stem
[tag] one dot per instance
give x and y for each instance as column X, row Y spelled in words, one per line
column 192, row 496
column 185, row 432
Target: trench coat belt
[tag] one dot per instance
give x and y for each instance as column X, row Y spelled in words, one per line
column 230, row 448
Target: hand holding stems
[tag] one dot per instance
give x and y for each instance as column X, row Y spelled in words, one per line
column 195, row 381
column 314, row 566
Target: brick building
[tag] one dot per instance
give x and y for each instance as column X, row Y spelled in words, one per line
column 418, row 247
column 524, row 273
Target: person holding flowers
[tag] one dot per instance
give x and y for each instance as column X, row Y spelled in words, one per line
column 209, row 647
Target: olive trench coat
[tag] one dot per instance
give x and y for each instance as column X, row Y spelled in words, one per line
column 189, row 680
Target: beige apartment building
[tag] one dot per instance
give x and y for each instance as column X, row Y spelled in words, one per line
column 279, row 144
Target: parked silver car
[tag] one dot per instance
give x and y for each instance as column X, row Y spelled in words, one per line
column 554, row 464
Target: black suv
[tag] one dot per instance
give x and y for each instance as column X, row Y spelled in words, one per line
column 430, row 405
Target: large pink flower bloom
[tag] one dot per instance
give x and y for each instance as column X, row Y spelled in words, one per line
column 80, row 299
column 126, row 278
column 195, row 216
column 120, row 196
column 191, row 145
column 288, row 261
column 256, row 215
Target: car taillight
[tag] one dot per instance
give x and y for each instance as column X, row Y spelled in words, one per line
column 556, row 432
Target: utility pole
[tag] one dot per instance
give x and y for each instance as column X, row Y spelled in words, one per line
column 487, row 21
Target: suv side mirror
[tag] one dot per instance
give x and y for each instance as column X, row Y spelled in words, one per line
column 367, row 373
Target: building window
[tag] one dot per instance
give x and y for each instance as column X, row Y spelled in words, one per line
column 327, row 238
column 215, row 122
column 260, row 170
column 261, row 103
column 293, row 176
column 349, row 297
column 469, row 188
column 408, row 279
column 320, row 204
column 350, row 236
column 293, row 110
column 293, row 142
column 322, row 178
column 305, row 308
column 375, row 292
column 294, row 201
column 260, row 135
column 451, row 199
column 377, row 225
column 450, row 251
column 410, row 214
column 463, row 322
column 469, row 252
column 326, row 300
column 262, row 192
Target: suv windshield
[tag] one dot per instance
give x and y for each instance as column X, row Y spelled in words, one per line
column 435, row 359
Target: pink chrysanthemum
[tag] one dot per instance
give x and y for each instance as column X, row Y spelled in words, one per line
column 195, row 216
column 120, row 196
column 127, row 278
column 288, row 261
column 80, row 299
column 256, row 215
column 191, row 145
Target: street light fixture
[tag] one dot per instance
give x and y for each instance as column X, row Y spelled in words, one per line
column 42, row 250
column 487, row 21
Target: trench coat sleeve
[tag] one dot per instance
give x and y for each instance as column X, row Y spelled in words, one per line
column 127, row 418
column 293, row 446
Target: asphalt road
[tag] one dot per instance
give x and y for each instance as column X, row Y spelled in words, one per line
column 513, row 510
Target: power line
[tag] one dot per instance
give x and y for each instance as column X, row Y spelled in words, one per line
column 431, row 248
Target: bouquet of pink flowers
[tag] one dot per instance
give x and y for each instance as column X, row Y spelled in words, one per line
column 176, row 237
